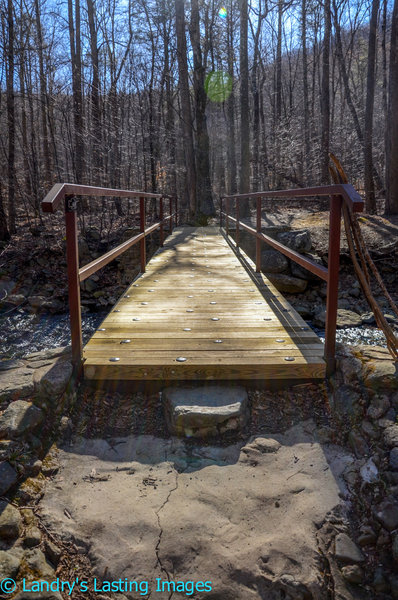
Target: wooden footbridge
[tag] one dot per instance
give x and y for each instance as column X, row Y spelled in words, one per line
column 200, row 309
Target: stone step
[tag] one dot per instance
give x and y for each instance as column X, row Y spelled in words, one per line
column 205, row 411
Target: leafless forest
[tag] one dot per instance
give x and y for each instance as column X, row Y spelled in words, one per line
column 195, row 98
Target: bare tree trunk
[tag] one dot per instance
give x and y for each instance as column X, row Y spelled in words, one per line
column 171, row 177
column 95, row 96
column 244, row 179
column 392, row 128
column 325, row 96
column 278, row 74
column 264, row 149
column 204, row 189
column 75, row 49
column 231, row 153
column 11, row 118
column 4, row 233
column 186, row 115
column 256, row 101
column 43, row 101
column 368, row 124
column 385, row 77
column 347, row 91
column 24, row 128
column 278, row 97
column 306, row 119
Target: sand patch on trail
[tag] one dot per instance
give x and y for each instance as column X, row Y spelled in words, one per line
column 244, row 517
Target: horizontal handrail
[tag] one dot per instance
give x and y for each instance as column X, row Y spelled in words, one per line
column 93, row 266
column 307, row 263
column 338, row 193
column 346, row 190
column 52, row 202
column 62, row 195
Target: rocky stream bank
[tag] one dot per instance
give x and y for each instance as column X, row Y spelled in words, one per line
column 307, row 500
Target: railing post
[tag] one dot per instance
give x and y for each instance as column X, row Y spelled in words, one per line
column 258, row 241
column 171, row 214
column 176, row 222
column 161, row 232
column 237, row 224
column 333, row 282
column 226, row 216
column 72, row 261
column 143, row 241
column 221, row 199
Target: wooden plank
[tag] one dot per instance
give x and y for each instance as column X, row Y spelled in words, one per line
column 232, row 333
column 192, row 343
column 211, row 372
column 252, row 315
column 199, row 348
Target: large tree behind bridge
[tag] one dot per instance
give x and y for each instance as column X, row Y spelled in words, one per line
column 392, row 128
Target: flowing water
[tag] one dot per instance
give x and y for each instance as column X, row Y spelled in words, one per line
column 23, row 333
column 371, row 336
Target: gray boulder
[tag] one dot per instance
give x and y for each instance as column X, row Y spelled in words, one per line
column 346, row 402
column 304, row 310
column 19, row 418
column 353, row 574
column 368, row 318
column 32, row 537
column 89, row 285
column 348, row 318
column 299, row 240
column 10, row 521
column 15, row 382
column 394, row 459
column 378, row 407
column 14, row 299
column 37, row 301
column 320, row 318
column 287, row 283
column 37, row 563
column 390, row 436
column 382, row 375
column 358, row 444
column 345, row 318
column 53, row 379
column 299, row 271
column 346, row 550
column 9, row 563
column 387, row 514
column 8, row 477
column 273, row 261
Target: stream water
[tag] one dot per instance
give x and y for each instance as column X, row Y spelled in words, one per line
column 23, row 333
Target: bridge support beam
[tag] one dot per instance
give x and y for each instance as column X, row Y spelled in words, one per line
column 72, row 259
column 332, row 282
column 143, row 241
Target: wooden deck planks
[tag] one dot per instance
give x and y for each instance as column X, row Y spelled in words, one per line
column 169, row 312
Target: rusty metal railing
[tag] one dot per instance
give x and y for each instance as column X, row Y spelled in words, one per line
column 338, row 194
column 63, row 195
